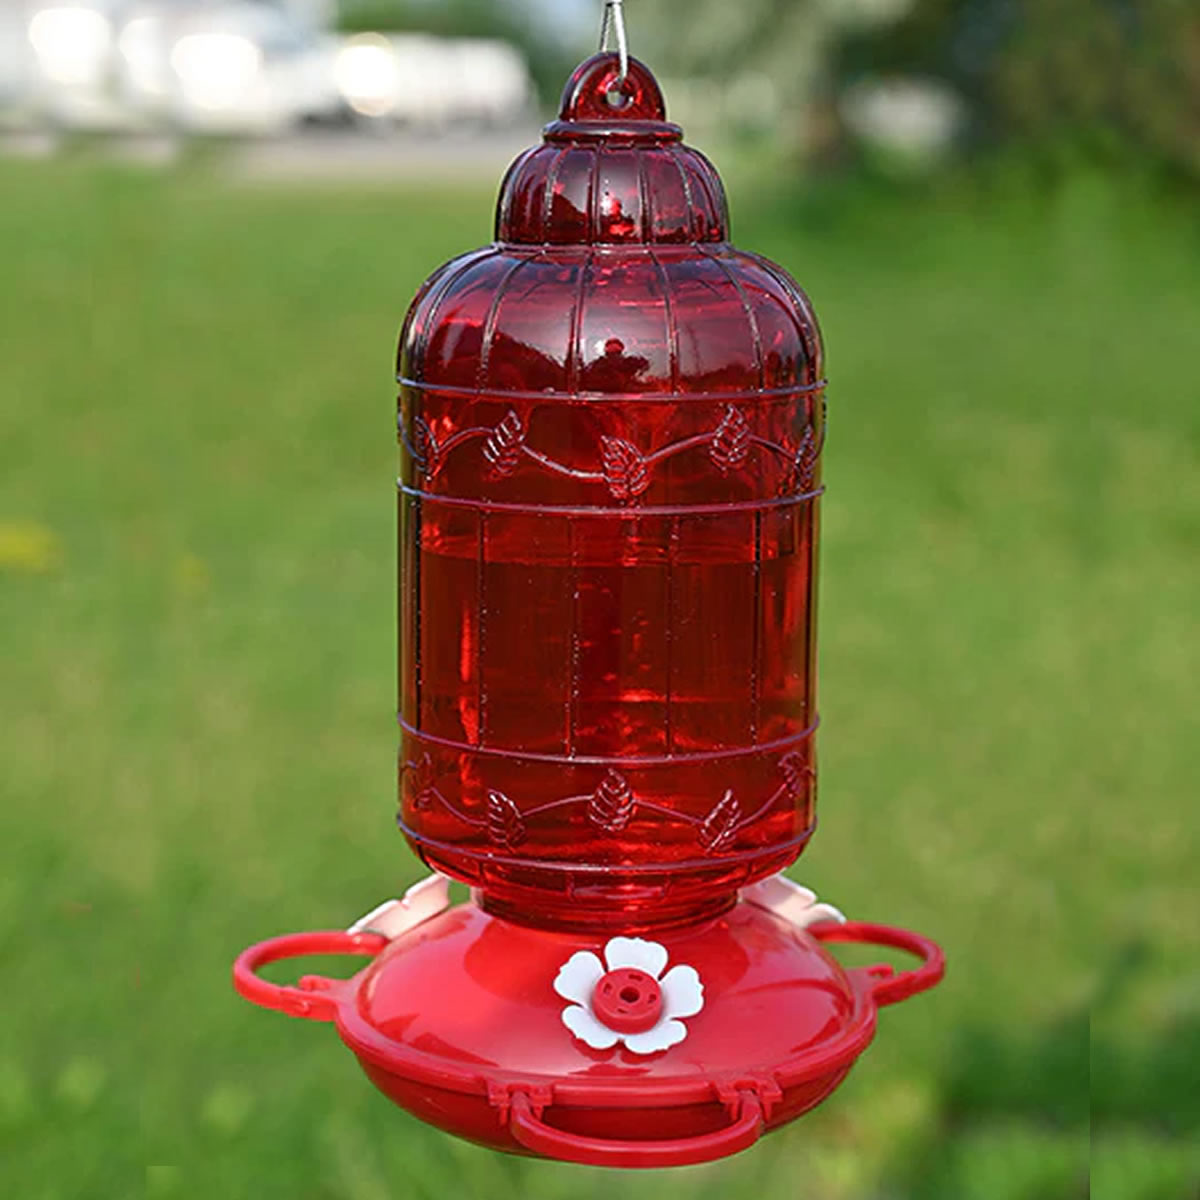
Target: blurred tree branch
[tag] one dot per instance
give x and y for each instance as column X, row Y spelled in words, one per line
column 1117, row 78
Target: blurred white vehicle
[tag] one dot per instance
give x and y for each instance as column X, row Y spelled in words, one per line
column 251, row 67
column 431, row 83
column 208, row 66
column 233, row 67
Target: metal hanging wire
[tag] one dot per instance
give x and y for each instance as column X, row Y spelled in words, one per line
column 614, row 26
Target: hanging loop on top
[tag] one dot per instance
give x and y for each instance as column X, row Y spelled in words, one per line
column 593, row 95
column 614, row 25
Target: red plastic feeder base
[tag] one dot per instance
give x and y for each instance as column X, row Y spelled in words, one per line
column 679, row 1046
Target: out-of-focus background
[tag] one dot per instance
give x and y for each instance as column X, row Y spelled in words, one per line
column 212, row 218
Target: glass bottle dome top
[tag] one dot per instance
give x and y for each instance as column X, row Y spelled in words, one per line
column 612, row 171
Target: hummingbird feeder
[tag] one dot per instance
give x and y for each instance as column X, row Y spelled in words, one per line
column 611, row 424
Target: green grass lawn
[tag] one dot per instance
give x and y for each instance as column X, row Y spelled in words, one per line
column 196, row 632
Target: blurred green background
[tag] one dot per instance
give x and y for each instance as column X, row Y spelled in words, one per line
column 197, row 639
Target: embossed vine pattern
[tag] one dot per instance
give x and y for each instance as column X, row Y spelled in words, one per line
column 625, row 469
column 610, row 806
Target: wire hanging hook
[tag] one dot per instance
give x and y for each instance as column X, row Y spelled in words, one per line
column 614, row 22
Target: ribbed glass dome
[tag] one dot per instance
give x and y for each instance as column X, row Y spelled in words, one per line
column 611, row 176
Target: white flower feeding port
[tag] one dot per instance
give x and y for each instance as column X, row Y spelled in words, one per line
column 632, row 1002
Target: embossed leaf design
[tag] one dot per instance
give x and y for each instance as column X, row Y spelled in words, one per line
column 807, row 455
column 503, row 446
column 611, row 804
column 424, row 446
column 423, row 800
column 505, row 825
column 721, row 823
column 421, row 781
column 796, row 773
column 731, row 441
column 625, row 468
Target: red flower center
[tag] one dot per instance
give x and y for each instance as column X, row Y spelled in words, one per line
column 628, row 1001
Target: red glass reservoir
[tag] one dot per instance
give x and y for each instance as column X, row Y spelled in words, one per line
column 610, row 426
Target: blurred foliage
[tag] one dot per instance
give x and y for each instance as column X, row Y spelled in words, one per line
column 787, row 41
column 548, row 60
column 1112, row 77
column 1106, row 78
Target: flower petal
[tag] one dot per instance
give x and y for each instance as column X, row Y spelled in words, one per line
column 663, row 1036
column 587, row 1029
column 683, row 993
column 815, row 913
column 635, row 952
column 578, row 976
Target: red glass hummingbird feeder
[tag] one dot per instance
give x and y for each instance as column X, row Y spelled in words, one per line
column 611, row 425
